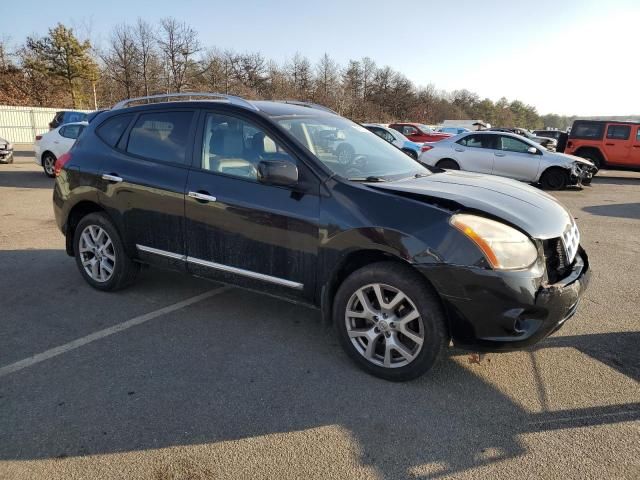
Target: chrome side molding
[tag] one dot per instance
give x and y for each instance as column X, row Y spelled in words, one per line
column 224, row 268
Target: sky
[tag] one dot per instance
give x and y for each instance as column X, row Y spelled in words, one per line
column 564, row 57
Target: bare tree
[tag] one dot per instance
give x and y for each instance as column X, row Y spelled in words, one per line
column 327, row 80
column 147, row 55
column 122, row 59
column 178, row 43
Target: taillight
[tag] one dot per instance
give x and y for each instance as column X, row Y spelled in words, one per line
column 426, row 148
column 38, row 137
column 61, row 162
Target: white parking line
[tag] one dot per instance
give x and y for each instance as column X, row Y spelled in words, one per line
column 92, row 337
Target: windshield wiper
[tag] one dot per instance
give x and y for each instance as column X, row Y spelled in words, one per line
column 370, row 178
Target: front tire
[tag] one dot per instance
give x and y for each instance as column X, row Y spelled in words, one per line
column 100, row 254
column 554, row 179
column 390, row 321
column 48, row 164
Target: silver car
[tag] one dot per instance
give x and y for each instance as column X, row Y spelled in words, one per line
column 508, row 155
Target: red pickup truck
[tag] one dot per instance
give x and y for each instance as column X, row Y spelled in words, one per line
column 606, row 143
column 416, row 132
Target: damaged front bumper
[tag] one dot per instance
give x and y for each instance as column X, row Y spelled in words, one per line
column 582, row 174
column 490, row 310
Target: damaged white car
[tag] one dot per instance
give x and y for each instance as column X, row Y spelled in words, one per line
column 508, row 155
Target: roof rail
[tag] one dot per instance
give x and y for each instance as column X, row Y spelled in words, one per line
column 308, row 105
column 217, row 97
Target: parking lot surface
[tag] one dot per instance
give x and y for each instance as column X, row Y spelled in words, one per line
column 181, row 378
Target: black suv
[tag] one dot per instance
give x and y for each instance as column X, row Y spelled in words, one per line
column 401, row 258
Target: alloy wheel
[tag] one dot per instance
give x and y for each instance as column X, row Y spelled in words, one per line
column 49, row 164
column 97, row 253
column 384, row 325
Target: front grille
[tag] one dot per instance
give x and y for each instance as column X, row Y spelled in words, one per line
column 557, row 263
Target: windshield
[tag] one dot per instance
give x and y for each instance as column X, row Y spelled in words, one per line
column 351, row 150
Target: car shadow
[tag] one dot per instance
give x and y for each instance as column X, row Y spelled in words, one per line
column 615, row 181
column 242, row 365
column 25, row 179
column 621, row 210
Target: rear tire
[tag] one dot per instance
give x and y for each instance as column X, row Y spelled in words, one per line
column 100, row 254
column 48, row 164
column 372, row 333
column 448, row 164
column 554, row 179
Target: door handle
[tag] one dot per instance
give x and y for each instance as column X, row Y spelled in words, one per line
column 636, row 146
column 459, row 149
column 610, row 144
column 111, row 178
column 500, row 154
column 203, row 197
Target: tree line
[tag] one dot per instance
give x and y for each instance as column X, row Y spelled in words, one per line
column 60, row 70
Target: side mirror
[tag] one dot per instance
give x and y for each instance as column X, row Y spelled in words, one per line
column 532, row 150
column 277, row 172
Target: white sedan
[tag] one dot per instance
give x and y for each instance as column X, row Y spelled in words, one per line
column 51, row 145
column 508, row 155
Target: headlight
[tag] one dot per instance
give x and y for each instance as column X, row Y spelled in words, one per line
column 505, row 248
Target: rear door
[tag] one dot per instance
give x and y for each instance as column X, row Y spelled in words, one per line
column 474, row 152
column 618, row 143
column 513, row 160
column 143, row 183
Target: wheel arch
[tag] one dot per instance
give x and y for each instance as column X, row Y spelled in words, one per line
column 449, row 159
column 44, row 153
column 77, row 213
column 353, row 261
column 592, row 149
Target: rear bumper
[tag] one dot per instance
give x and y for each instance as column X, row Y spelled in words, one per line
column 502, row 311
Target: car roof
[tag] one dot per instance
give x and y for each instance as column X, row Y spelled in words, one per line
column 84, row 122
column 607, row 121
column 271, row 108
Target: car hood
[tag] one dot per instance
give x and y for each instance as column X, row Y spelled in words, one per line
column 565, row 157
column 526, row 207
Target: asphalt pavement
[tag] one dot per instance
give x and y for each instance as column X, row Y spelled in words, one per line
column 181, row 378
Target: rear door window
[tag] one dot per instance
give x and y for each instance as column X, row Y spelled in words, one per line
column 112, row 129
column 587, row 130
column 478, row 140
column 618, row 132
column 161, row 136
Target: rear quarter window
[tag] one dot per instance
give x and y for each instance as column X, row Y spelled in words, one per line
column 587, row 130
column 112, row 129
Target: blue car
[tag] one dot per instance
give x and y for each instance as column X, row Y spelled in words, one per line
column 395, row 138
